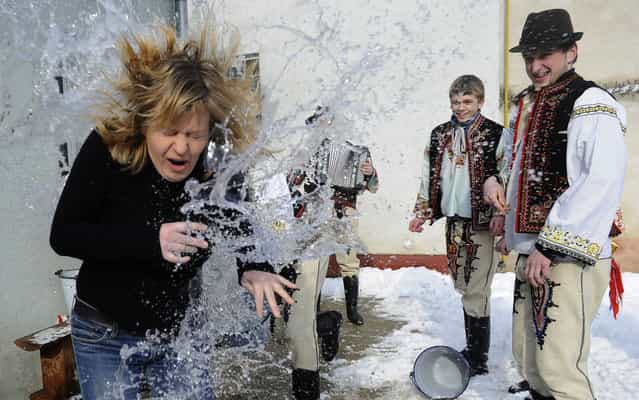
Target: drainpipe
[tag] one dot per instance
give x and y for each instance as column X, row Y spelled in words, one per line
column 181, row 17
column 506, row 59
column 502, row 258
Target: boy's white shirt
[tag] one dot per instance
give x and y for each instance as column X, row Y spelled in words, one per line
column 579, row 221
column 455, row 185
column 455, row 181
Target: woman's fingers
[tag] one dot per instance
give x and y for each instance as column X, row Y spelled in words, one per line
column 196, row 226
column 193, row 241
column 176, row 240
column 185, row 240
column 175, row 258
column 286, row 282
column 186, row 227
column 283, row 294
column 259, row 302
column 248, row 286
column 272, row 302
column 181, row 248
column 265, row 285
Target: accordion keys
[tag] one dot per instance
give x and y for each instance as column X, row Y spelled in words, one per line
column 340, row 164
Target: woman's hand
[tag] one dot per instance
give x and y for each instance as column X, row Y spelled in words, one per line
column 265, row 284
column 176, row 239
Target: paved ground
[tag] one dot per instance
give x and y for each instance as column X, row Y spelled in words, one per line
column 269, row 376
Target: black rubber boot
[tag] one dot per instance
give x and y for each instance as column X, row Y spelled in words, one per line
column 478, row 344
column 536, row 396
column 306, row 384
column 466, row 351
column 521, row 386
column 351, row 292
column 328, row 325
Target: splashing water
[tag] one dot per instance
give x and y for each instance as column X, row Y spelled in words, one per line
column 220, row 330
column 76, row 40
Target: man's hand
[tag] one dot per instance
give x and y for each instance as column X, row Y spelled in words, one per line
column 501, row 247
column 415, row 224
column 265, row 284
column 496, row 225
column 494, row 195
column 367, row 168
column 537, row 269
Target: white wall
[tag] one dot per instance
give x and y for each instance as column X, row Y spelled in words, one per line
column 387, row 65
column 31, row 128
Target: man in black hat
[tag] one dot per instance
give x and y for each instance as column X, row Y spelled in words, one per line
column 564, row 165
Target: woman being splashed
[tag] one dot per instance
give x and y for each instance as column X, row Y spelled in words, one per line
column 119, row 212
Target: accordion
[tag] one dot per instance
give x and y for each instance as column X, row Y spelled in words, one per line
column 338, row 164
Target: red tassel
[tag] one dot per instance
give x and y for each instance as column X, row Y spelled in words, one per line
column 616, row 288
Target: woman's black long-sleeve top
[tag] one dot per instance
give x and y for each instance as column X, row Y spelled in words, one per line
column 110, row 219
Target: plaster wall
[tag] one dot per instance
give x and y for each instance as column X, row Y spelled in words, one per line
column 30, row 295
column 312, row 51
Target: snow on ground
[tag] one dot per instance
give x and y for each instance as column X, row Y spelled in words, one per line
column 431, row 310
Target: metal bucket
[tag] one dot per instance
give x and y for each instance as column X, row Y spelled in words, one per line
column 440, row 373
column 67, row 279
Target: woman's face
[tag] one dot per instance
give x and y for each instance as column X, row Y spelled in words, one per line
column 175, row 148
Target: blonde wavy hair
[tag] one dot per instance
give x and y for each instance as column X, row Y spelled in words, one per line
column 162, row 79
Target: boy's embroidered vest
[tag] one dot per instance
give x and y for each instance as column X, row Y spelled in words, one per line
column 543, row 176
column 482, row 138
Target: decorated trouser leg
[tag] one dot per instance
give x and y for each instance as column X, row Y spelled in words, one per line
column 470, row 262
column 349, row 264
column 518, row 323
column 301, row 327
column 556, row 329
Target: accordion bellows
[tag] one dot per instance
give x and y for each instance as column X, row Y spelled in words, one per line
column 338, row 164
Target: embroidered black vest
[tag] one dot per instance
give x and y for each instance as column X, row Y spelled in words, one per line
column 543, row 176
column 482, row 138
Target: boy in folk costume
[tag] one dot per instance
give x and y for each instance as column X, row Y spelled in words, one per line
column 566, row 159
column 460, row 157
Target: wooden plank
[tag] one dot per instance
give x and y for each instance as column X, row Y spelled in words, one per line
column 56, row 361
column 36, row 340
column 58, row 365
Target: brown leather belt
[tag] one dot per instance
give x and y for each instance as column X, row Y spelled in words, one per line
column 86, row 311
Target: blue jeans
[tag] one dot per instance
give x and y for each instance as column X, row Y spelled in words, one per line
column 114, row 364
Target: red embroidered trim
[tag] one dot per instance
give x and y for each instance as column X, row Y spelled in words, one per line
column 536, row 132
column 522, row 163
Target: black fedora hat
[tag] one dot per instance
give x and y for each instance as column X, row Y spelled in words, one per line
column 546, row 30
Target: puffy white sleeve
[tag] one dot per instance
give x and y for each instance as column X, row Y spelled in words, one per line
column 579, row 222
column 503, row 155
column 422, row 208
